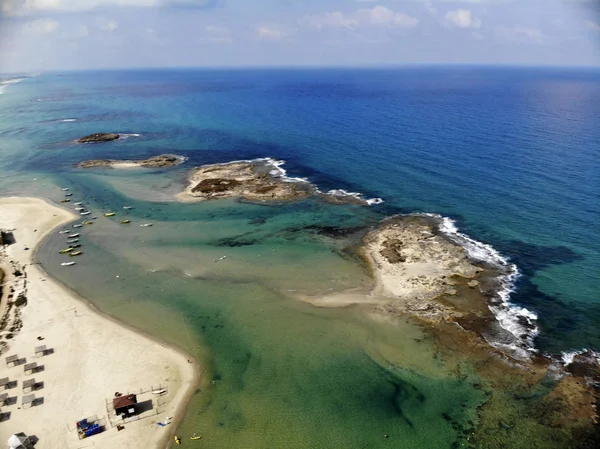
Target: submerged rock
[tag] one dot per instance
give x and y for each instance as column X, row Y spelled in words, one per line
column 98, row 137
column 164, row 160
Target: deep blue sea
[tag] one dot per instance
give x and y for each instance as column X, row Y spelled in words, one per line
column 511, row 154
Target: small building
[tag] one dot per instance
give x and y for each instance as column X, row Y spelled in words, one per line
column 125, row 405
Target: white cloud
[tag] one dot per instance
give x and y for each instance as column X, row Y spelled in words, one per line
column 41, row 26
column 270, row 33
column 218, row 34
column 463, row 18
column 595, row 26
column 23, row 7
column 376, row 16
column 109, row 25
column 519, row 33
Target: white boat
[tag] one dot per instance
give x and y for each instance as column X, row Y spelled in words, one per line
column 67, row 264
column 80, row 208
column 78, row 203
column 127, row 207
column 68, row 194
column 73, row 241
column 65, row 189
column 145, row 225
column 65, row 231
column 77, row 225
column 85, row 213
column 72, row 236
column 160, row 391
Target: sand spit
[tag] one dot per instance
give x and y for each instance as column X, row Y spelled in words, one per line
column 164, row 160
column 89, row 356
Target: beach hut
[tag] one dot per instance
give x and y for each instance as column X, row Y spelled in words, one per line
column 19, row 441
column 125, row 405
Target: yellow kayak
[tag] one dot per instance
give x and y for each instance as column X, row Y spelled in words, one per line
column 109, row 214
column 76, row 253
column 177, row 439
column 125, row 221
column 195, row 437
column 65, row 251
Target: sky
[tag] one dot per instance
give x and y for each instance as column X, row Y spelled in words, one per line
column 43, row 35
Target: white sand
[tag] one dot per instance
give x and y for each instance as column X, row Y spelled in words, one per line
column 93, row 358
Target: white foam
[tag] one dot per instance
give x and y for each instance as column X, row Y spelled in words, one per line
column 508, row 314
column 568, row 357
column 4, row 84
column 357, row 195
column 127, row 136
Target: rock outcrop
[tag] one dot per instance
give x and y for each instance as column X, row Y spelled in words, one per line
column 98, row 137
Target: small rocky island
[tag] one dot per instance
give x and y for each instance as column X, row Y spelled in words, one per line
column 164, row 160
column 98, row 137
column 257, row 180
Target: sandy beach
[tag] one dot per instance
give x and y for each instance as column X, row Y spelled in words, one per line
column 89, row 356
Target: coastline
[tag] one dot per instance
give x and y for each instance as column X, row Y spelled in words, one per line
column 99, row 330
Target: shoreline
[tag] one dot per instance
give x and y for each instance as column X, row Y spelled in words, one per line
column 188, row 374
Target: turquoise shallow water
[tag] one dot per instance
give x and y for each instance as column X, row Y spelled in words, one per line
column 511, row 154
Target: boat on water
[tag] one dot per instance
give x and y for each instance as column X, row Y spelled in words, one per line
column 145, row 225
column 88, row 222
column 65, row 201
column 109, row 214
column 76, row 253
column 85, row 213
column 73, row 241
column 195, row 437
column 66, row 189
column 68, row 194
column 177, row 440
column 77, row 225
column 77, row 245
column 72, row 236
column 127, row 207
column 78, row 203
column 64, row 231
column 65, row 251
column 125, row 221
column 67, row 264
column 80, row 208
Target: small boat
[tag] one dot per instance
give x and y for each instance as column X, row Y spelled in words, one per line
column 77, row 245
column 125, row 221
column 65, row 201
column 80, row 208
column 78, row 203
column 159, row 391
column 177, row 440
column 109, row 214
column 65, row 251
column 73, row 241
column 65, row 231
column 145, row 225
column 88, row 222
column 72, row 236
column 68, row 194
column 127, row 207
column 195, row 437
column 77, row 225
column 65, row 189
column 76, row 253
column 85, row 213
column 67, row 264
